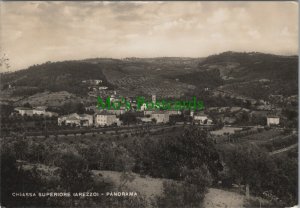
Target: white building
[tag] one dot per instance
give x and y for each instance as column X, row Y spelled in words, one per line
column 50, row 114
column 144, row 107
column 173, row 112
column 160, row 117
column 86, row 120
column 24, row 111
column 69, row 119
column 76, row 119
column 103, row 88
column 106, row 119
column 201, row 118
column 146, row 119
column 154, row 98
column 41, row 110
column 273, row 120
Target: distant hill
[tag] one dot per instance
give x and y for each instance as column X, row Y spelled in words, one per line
column 253, row 65
column 58, row 76
column 255, row 75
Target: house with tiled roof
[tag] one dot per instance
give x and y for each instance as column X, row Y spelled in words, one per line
column 105, row 118
column 24, row 111
column 76, row 119
column 273, row 120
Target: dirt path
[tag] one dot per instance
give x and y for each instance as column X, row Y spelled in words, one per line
column 284, row 149
column 220, row 198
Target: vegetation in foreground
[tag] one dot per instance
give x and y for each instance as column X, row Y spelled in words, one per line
column 188, row 157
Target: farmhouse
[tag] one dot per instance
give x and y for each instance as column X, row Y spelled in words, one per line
column 92, row 81
column 76, row 119
column 24, row 111
column 160, row 116
column 50, row 114
column 146, row 119
column 40, row 110
column 106, row 119
column 273, row 120
column 86, row 120
column 201, row 118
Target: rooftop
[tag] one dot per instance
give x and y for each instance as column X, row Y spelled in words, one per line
column 105, row 113
column 22, row 108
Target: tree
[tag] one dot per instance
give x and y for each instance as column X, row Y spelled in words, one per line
column 189, row 192
column 74, row 175
column 128, row 118
column 21, row 149
column 4, row 63
column 14, row 179
column 250, row 166
column 27, row 105
column 166, row 156
column 192, row 149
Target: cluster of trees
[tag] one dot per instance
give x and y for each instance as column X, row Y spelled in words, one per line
column 128, row 118
column 292, row 117
column 189, row 192
column 189, row 159
column 73, row 177
column 69, row 107
column 176, row 158
column 202, row 79
column 18, row 123
column 254, row 168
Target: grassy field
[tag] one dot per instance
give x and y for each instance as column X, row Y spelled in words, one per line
column 49, row 99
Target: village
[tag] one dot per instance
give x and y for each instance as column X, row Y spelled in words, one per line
column 224, row 120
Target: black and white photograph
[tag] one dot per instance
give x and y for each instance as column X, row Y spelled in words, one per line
column 149, row 104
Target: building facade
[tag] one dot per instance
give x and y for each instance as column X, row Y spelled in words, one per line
column 76, row 119
column 106, row 119
column 273, row 120
column 160, row 117
column 41, row 110
column 24, row 111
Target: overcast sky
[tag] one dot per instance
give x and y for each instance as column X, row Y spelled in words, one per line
column 36, row 32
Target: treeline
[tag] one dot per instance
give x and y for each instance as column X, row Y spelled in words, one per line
column 176, row 158
column 273, row 178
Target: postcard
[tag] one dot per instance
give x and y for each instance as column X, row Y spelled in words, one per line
column 149, row 104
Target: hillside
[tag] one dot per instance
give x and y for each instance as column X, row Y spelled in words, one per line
column 255, row 75
column 253, row 65
column 58, row 76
